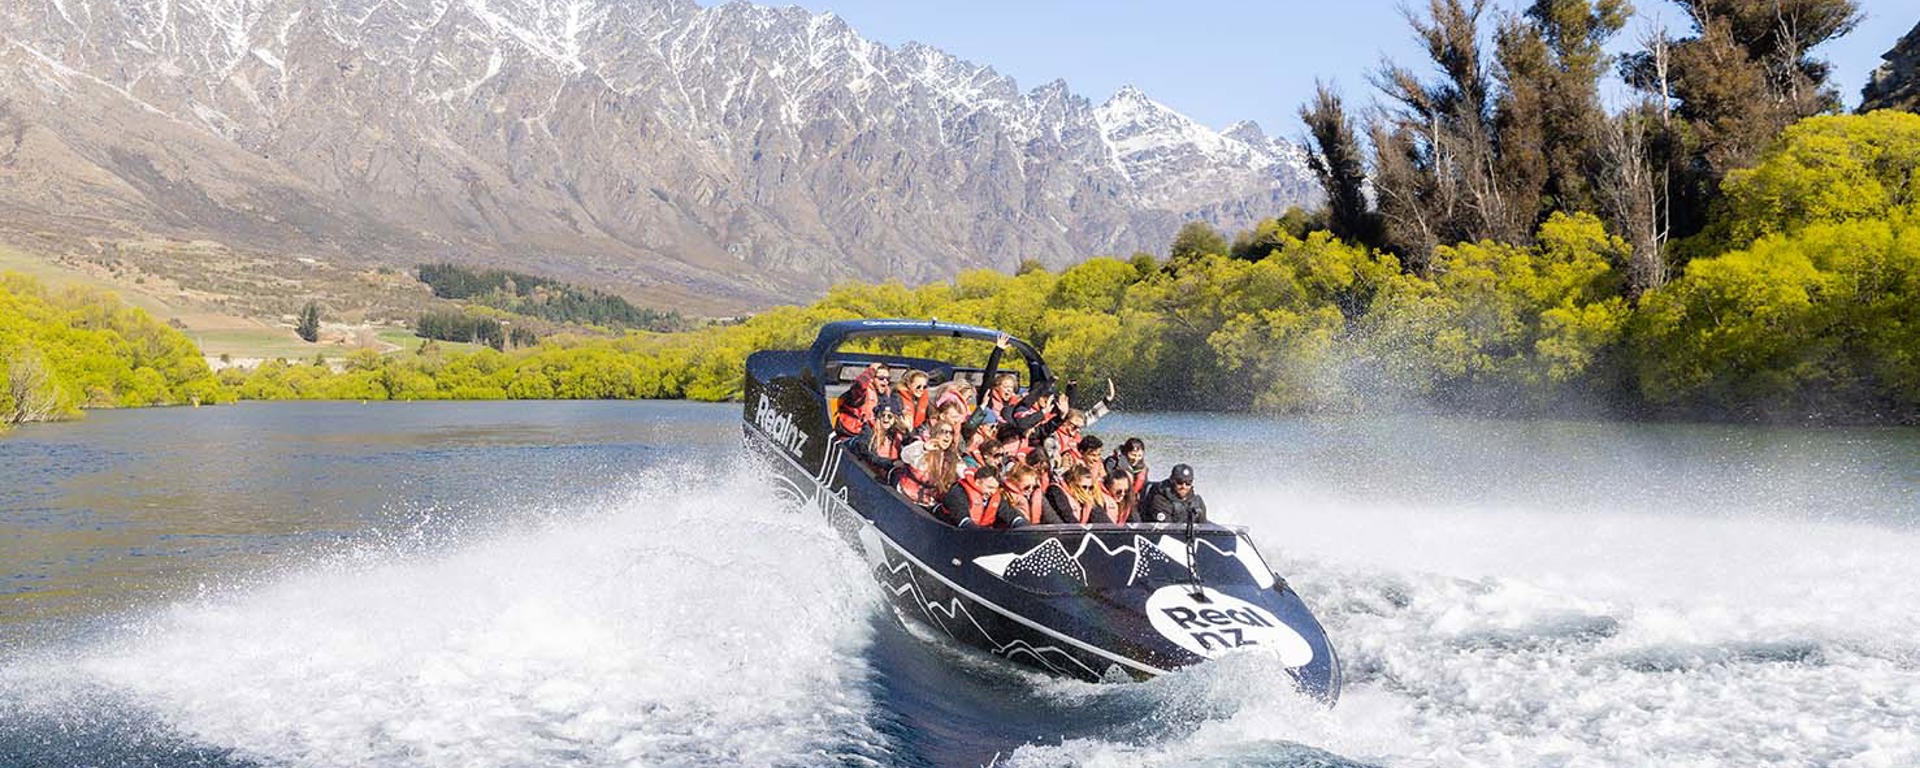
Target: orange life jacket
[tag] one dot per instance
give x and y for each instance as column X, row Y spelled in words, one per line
column 984, row 508
column 1085, row 513
column 1027, row 504
column 915, row 485
column 851, row 421
column 1107, row 503
column 913, row 408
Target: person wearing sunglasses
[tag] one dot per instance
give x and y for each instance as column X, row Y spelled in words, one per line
column 914, row 403
column 1173, row 500
column 879, row 446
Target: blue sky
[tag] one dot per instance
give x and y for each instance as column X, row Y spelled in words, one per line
column 1220, row 61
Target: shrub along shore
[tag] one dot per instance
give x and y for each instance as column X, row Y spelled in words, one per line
column 1801, row 303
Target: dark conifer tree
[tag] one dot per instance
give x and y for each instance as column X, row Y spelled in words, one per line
column 309, row 324
column 1743, row 77
column 1337, row 161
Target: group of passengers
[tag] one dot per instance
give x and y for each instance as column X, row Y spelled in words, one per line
column 1005, row 457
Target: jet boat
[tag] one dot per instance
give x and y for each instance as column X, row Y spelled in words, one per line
column 1104, row 602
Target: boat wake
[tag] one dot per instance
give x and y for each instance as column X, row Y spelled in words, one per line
column 676, row 622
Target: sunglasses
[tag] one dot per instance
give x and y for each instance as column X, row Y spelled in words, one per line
column 1183, row 485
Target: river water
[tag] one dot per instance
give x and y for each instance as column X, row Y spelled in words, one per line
column 513, row 584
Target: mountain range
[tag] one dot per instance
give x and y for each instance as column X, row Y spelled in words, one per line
column 738, row 154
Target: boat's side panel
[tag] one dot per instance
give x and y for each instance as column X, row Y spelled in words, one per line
column 921, row 593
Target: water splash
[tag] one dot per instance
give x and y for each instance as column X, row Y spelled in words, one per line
column 626, row 634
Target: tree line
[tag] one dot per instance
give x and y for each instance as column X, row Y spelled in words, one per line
column 70, row 348
column 462, row 327
column 544, row 298
column 1726, row 248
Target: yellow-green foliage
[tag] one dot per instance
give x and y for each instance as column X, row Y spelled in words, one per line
column 1820, row 315
column 62, row 350
column 1824, row 321
column 1826, row 169
column 1810, row 305
column 1511, row 326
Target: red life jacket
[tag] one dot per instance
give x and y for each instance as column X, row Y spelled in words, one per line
column 850, row 421
column 1139, row 478
column 1067, row 437
column 915, row 486
column 998, row 405
column 1027, row 504
column 984, row 508
column 1085, row 513
column 913, row 408
column 1114, row 511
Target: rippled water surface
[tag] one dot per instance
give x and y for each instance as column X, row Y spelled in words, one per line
column 593, row 584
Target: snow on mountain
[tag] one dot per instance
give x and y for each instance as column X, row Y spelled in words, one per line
column 741, row 149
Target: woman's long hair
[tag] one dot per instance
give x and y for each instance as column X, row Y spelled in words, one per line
column 1082, row 496
column 941, row 468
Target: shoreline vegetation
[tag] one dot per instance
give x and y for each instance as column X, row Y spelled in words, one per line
column 1809, row 311
column 1725, row 248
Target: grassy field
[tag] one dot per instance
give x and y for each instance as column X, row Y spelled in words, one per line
column 217, row 333
column 408, row 342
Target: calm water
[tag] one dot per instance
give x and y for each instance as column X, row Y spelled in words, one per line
column 612, row 584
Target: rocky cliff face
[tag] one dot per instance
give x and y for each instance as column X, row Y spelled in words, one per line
column 1896, row 84
column 653, row 146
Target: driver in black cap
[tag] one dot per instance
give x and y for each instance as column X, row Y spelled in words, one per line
column 1173, row 501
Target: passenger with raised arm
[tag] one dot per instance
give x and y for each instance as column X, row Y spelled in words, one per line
column 976, row 501
column 1033, row 411
column 1078, row 499
column 1001, row 387
column 1173, row 500
column 858, row 402
column 914, row 406
column 1130, row 461
column 1002, row 394
column 929, row 467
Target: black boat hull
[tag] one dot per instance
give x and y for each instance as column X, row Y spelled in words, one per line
column 1090, row 602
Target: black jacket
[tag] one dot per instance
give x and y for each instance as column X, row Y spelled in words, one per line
column 1161, row 506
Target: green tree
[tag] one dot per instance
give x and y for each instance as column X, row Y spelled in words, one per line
column 1196, row 239
column 308, row 326
column 1339, row 164
column 1746, row 73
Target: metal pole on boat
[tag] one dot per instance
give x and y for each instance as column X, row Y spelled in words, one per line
column 1199, row 593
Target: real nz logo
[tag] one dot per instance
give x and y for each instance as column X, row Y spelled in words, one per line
column 778, row 426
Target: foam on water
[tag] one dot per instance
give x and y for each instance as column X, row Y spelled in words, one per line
column 673, row 624
column 1481, row 636
column 668, row 622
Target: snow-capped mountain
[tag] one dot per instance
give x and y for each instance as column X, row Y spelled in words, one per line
column 655, row 146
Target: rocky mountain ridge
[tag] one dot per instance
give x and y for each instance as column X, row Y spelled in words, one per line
column 657, row 147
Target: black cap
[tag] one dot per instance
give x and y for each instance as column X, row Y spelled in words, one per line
column 1181, row 474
